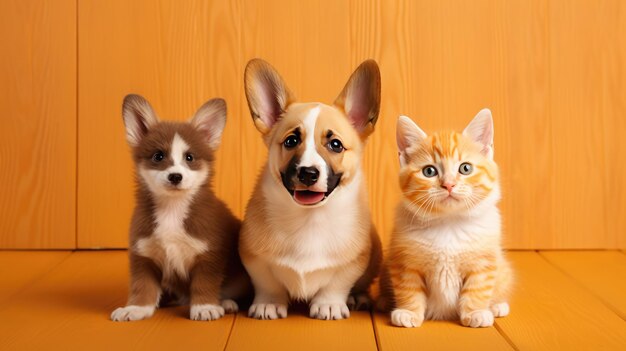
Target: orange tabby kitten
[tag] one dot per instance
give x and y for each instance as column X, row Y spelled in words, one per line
column 445, row 259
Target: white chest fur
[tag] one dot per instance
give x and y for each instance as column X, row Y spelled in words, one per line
column 446, row 242
column 170, row 245
column 315, row 242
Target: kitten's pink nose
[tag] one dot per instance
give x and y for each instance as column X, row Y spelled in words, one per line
column 449, row 186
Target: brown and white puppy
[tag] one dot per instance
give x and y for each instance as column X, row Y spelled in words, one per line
column 183, row 239
column 307, row 233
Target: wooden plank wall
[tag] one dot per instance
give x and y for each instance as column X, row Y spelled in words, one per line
column 38, row 131
column 552, row 71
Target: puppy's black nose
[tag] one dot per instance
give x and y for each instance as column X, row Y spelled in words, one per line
column 308, row 175
column 175, row 178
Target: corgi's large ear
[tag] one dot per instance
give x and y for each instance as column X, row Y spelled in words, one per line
column 360, row 98
column 210, row 119
column 480, row 130
column 267, row 94
column 138, row 116
column 408, row 134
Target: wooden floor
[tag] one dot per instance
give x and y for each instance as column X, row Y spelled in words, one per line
column 564, row 300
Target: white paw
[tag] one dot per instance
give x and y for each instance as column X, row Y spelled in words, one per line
column 267, row 311
column 328, row 311
column 478, row 319
column 406, row 318
column 206, row 312
column 359, row 302
column 500, row 309
column 132, row 313
column 230, row 306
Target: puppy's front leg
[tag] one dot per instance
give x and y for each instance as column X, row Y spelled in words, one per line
column 145, row 290
column 206, row 281
column 270, row 297
column 330, row 301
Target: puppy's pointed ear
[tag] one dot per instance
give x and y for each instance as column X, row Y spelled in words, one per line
column 139, row 117
column 267, row 94
column 210, row 119
column 360, row 98
column 408, row 134
column 480, row 130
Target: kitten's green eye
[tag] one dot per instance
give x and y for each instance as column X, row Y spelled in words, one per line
column 429, row 171
column 466, row 168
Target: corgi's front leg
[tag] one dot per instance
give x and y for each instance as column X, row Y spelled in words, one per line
column 206, row 281
column 329, row 302
column 145, row 291
column 270, row 296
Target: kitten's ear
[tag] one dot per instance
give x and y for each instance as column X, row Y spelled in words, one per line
column 480, row 130
column 267, row 94
column 210, row 119
column 407, row 134
column 138, row 116
column 360, row 98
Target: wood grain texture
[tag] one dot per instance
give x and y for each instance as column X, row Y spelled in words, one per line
column 38, row 134
column 76, row 299
column 601, row 272
column 436, row 335
column 550, row 311
column 176, row 54
column 300, row 332
column 64, row 301
column 551, row 71
column 584, row 45
column 32, row 266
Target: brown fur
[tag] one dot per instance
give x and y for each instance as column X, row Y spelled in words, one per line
column 216, row 272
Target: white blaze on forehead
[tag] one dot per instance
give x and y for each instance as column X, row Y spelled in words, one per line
column 310, row 157
column 179, row 147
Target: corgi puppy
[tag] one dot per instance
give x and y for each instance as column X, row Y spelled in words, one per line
column 183, row 239
column 307, row 233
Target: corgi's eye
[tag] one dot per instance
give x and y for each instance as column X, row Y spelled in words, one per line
column 291, row 141
column 466, row 168
column 188, row 157
column 335, row 145
column 158, row 156
column 429, row 171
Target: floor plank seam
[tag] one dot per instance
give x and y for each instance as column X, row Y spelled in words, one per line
column 505, row 337
column 230, row 332
column 376, row 338
column 39, row 277
column 584, row 287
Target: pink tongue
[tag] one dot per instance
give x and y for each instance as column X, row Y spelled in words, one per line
column 306, row 197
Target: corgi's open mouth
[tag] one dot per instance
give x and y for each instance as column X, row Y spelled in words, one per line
column 307, row 197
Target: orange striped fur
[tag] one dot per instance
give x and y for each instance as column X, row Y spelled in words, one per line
column 445, row 259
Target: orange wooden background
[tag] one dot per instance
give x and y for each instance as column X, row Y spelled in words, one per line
column 552, row 71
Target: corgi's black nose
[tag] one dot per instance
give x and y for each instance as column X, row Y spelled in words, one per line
column 308, row 175
column 175, row 178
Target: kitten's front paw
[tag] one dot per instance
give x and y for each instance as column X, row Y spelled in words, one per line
column 500, row 309
column 359, row 302
column 206, row 312
column 477, row 319
column 329, row 311
column 230, row 306
column 267, row 311
column 406, row 318
column 132, row 313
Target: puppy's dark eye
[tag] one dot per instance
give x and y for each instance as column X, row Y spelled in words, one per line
column 291, row 141
column 335, row 145
column 466, row 168
column 188, row 157
column 429, row 171
column 158, row 156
